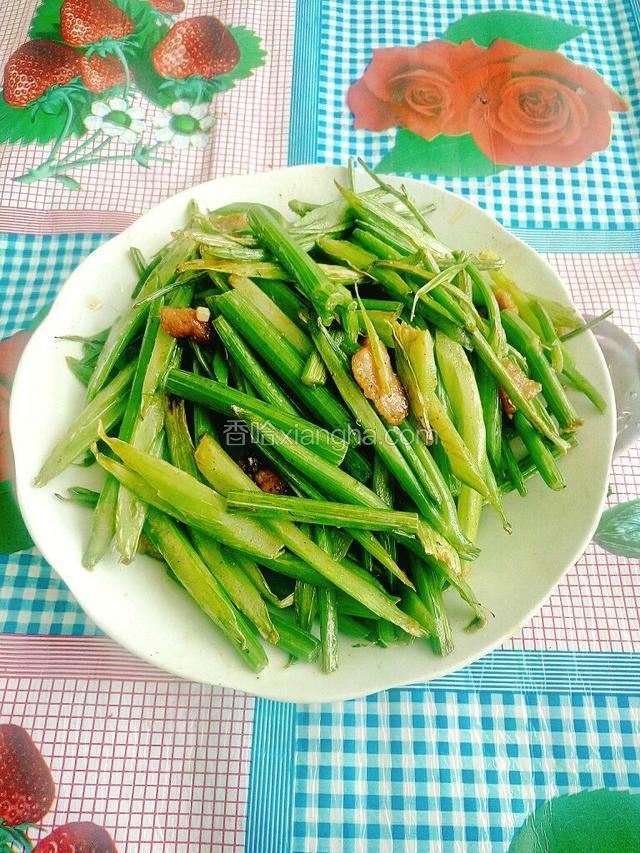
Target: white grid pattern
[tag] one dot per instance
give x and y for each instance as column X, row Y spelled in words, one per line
column 162, row 765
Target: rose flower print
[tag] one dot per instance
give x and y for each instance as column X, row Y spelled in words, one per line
column 417, row 88
column 521, row 106
column 535, row 107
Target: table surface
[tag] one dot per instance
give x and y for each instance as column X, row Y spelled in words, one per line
column 457, row 764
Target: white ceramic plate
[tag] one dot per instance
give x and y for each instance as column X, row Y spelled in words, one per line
column 147, row 613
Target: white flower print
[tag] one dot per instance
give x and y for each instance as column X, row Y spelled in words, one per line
column 184, row 126
column 117, row 118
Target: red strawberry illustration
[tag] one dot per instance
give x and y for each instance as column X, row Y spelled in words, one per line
column 79, row 837
column 84, row 22
column 35, row 67
column 170, row 6
column 100, row 73
column 26, row 786
column 200, row 46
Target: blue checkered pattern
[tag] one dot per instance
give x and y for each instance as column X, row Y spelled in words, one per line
column 451, row 770
column 33, row 599
column 602, row 193
column 32, row 270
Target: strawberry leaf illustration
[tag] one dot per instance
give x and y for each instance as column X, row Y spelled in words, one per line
column 15, row 838
column 167, row 90
column 14, row 536
column 45, row 24
column 535, row 31
column 145, row 18
column 451, row 156
column 619, row 530
column 252, row 56
column 45, row 120
column 587, row 822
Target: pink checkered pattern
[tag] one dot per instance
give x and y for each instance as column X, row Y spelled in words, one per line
column 250, row 135
column 161, row 764
column 596, row 608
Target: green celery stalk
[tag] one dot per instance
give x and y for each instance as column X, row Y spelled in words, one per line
column 126, row 326
column 223, row 566
column 304, row 510
column 462, row 391
column 130, row 511
column 236, row 584
column 573, row 376
column 549, row 335
column 276, row 317
column 287, row 300
column 207, row 593
column 253, row 573
column 212, row 463
column 540, row 453
column 294, row 640
column 266, row 270
column 430, row 591
column 329, row 626
column 106, row 408
column 314, row 373
column 324, row 294
column 335, row 482
column 176, row 492
column 283, row 359
column 512, row 468
column 505, row 380
column 496, row 334
column 492, row 413
column 81, row 370
column 369, row 420
column 220, row 398
column 529, row 344
column 251, row 367
column 144, row 419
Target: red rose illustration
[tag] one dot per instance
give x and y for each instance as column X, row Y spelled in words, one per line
column 417, row 88
column 535, row 107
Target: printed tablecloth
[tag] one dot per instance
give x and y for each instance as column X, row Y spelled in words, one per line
column 455, row 765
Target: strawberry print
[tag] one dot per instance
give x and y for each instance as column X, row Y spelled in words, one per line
column 35, row 67
column 100, row 73
column 26, row 786
column 79, row 837
column 86, row 55
column 200, row 46
column 172, row 7
column 84, row 22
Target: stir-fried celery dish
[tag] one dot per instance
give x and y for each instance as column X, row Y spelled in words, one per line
column 304, row 418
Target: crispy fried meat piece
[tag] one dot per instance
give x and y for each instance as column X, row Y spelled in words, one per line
column 394, row 406
column 528, row 387
column 271, row 482
column 184, row 323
